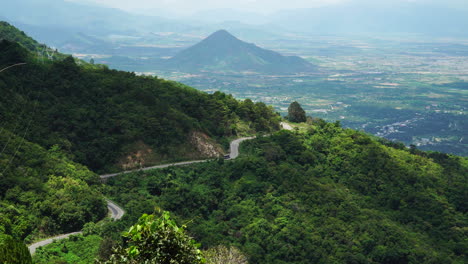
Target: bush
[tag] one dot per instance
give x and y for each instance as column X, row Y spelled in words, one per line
column 157, row 240
column 13, row 251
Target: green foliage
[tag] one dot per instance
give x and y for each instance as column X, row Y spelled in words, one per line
column 13, row 251
column 12, row 34
column 328, row 195
column 106, row 119
column 42, row 192
column 77, row 249
column 296, row 113
column 157, row 240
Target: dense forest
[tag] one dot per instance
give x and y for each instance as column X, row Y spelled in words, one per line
column 319, row 194
column 109, row 120
column 42, row 192
column 328, row 195
column 60, row 115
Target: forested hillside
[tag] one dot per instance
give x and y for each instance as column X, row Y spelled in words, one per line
column 106, row 119
column 42, row 192
column 328, row 195
column 322, row 194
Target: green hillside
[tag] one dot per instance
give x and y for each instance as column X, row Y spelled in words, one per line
column 10, row 33
column 321, row 194
column 106, row 119
column 329, row 195
column 42, row 192
column 41, row 51
column 222, row 52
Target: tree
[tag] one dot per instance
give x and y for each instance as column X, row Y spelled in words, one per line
column 157, row 240
column 296, row 113
column 13, row 251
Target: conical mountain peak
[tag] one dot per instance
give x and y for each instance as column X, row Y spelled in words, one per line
column 223, row 52
column 221, row 35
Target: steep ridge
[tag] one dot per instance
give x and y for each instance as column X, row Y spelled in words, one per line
column 222, row 52
column 320, row 194
column 233, row 150
column 42, row 192
column 117, row 212
column 103, row 118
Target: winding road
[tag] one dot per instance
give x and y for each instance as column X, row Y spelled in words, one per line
column 117, row 212
column 233, row 153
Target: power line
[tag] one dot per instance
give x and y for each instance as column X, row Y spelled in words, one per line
column 22, row 142
column 11, row 66
column 5, row 121
column 16, row 125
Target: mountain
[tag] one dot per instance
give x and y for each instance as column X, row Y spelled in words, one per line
column 63, row 24
column 108, row 119
column 222, row 52
column 323, row 194
column 319, row 194
column 10, row 33
column 86, row 18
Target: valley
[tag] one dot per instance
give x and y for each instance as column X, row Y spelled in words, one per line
column 408, row 91
column 145, row 132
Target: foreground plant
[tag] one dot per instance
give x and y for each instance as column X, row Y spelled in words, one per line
column 157, row 240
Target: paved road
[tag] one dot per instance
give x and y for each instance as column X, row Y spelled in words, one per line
column 234, row 147
column 116, row 211
column 286, row 126
column 116, row 214
column 234, row 153
column 32, row 248
column 105, row 176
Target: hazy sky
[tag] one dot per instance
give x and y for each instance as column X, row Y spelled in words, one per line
column 258, row 6
column 190, row 6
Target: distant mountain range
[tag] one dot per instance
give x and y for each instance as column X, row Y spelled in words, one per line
column 222, row 52
column 82, row 27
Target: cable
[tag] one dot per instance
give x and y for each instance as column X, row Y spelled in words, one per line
column 4, row 69
column 21, row 144
column 11, row 66
column 16, row 125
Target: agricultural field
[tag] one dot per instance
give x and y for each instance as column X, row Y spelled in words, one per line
column 403, row 88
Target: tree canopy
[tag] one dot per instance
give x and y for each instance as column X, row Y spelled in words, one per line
column 105, row 118
column 296, row 113
column 325, row 195
column 13, row 251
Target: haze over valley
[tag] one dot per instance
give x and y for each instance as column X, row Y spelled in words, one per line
column 396, row 71
column 233, row 132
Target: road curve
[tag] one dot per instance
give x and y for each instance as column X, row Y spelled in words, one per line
column 233, row 150
column 234, row 147
column 32, row 248
column 116, row 214
column 116, row 211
